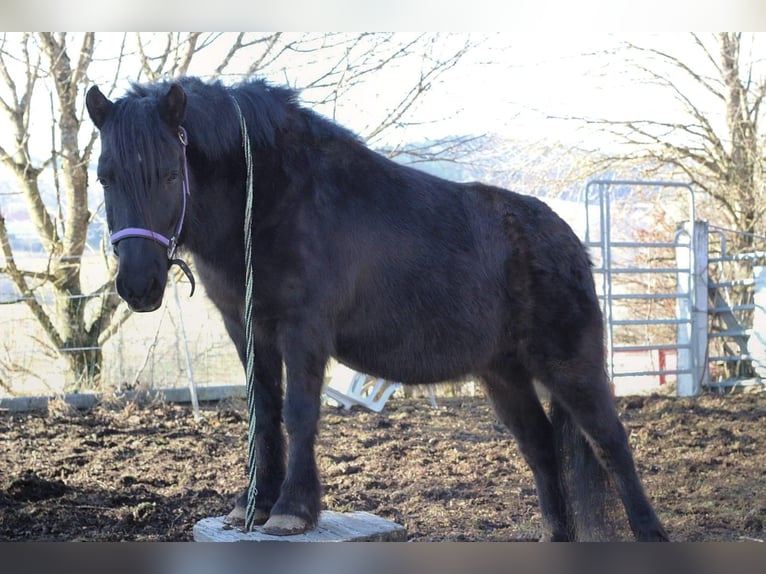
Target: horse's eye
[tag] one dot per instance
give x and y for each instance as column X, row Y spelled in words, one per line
column 172, row 177
column 104, row 182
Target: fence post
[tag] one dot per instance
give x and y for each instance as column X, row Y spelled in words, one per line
column 756, row 343
column 692, row 307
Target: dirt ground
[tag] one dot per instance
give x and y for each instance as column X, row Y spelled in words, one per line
column 150, row 472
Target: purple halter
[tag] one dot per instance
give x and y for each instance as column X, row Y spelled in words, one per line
column 172, row 243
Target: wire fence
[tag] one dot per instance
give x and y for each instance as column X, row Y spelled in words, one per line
column 148, row 351
column 185, row 339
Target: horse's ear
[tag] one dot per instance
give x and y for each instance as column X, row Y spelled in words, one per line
column 173, row 106
column 98, row 106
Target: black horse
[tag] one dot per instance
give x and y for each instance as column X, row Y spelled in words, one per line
column 394, row 272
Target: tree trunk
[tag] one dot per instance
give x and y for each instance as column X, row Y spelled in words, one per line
column 744, row 154
column 84, row 368
column 742, row 175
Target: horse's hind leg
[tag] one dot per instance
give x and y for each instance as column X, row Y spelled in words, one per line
column 516, row 404
column 583, row 390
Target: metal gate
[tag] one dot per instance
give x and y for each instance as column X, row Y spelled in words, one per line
column 653, row 294
column 737, row 338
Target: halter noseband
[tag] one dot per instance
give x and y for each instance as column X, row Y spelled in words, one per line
column 172, row 243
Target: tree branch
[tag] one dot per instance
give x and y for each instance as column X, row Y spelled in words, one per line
column 679, row 64
column 19, row 280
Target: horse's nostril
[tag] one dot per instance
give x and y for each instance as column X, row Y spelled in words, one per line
column 142, row 294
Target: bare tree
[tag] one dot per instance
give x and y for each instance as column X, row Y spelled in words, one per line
column 62, row 231
column 53, row 71
column 713, row 139
column 715, row 142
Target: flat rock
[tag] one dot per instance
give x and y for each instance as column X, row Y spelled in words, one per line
column 332, row 527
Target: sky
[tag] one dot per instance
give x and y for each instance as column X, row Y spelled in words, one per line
column 513, row 84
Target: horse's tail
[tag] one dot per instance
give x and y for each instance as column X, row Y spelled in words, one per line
column 592, row 501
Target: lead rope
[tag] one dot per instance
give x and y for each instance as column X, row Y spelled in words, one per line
column 252, row 490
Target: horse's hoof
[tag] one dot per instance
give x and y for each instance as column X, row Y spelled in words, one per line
column 659, row 535
column 285, row 525
column 555, row 538
column 237, row 517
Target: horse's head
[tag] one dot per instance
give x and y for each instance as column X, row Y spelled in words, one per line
column 142, row 168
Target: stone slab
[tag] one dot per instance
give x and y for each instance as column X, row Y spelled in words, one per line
column 332, row 527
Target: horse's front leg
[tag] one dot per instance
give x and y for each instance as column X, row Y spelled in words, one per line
column 298, row 507
column 269, row 439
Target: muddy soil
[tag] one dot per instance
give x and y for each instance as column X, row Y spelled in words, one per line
column 150, row 472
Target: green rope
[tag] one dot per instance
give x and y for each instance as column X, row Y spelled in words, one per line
column 252, row 490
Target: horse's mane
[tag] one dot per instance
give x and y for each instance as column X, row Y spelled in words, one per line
column 212, row 121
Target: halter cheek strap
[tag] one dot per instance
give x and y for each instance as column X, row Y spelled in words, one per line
column 169, row 243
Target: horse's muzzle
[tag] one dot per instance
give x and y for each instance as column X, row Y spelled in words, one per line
column 143, row 294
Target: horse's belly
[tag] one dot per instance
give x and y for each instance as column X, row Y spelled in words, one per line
column 421, row 345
